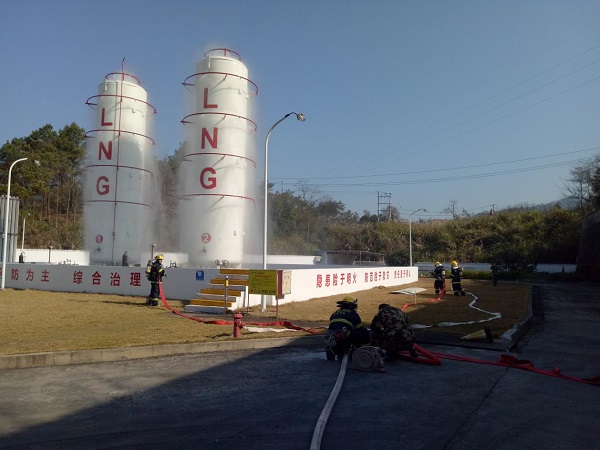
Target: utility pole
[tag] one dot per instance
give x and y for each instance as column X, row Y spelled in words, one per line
column 380, row 202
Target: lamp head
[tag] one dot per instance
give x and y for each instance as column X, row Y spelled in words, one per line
column 301, row 117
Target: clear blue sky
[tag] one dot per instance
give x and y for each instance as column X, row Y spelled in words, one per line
column 478, row 102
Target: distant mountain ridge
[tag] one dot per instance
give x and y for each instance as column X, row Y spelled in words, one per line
column 565, row 203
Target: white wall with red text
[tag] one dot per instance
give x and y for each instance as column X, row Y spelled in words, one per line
column 185, row 283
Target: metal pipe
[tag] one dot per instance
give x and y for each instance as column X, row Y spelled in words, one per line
column 23, row 239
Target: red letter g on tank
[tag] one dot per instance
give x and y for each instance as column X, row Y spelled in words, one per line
column 208, row 182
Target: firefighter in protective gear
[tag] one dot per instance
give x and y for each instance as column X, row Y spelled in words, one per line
column 391, row 331
column 456, row 274
column 345, row 331
column 157, row 272
column 495, row 268
column 440, row 277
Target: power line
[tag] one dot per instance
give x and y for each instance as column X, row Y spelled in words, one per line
column 494, row 120
column 492, row 109
column 452, row 168
column 454, row 178
column 490, row 98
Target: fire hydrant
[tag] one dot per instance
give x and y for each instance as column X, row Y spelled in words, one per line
column 237, row 324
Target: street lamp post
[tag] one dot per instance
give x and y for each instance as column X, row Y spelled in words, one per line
column 301, row 117
column 410, row 233
column 5, row 233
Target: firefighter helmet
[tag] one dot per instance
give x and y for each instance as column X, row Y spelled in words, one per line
column 347, row 304
column 437, row 263
column 159, row 256
column 454, row 263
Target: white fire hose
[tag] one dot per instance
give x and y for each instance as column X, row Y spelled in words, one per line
column 320, row 427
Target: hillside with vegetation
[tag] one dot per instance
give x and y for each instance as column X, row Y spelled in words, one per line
column 304, row 221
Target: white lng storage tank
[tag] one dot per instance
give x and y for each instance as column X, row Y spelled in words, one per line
column 119, row 183
column 218, row 166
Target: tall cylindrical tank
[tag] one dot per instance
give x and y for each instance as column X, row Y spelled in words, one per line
column 119, row 183
column 218, row 161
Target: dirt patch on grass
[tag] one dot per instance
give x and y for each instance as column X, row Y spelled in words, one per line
column 42, row 321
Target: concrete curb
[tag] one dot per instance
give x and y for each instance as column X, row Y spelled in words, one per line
column 64, row 358
column 504, row 343
column 513, row 335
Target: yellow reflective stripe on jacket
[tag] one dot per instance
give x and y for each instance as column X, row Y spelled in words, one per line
column 343, row 321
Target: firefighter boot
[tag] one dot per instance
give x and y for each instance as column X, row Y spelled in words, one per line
column 329, row 353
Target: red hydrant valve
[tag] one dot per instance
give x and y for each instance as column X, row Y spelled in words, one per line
column 237, row 324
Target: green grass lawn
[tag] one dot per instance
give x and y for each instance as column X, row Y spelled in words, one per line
column 42, row 321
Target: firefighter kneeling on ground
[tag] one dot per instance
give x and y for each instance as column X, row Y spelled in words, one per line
column 346, row 330
column 155, row 273
column 391, row 332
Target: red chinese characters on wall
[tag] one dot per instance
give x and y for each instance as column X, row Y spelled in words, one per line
column 134, row 279
column 78, row 277
column 377, row 276
column 402, row 273
column 29, row 275
column 339, row 279
column 115, row 279
column 336, row 279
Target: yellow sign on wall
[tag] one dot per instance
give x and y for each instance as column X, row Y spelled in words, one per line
column 262, row 282
column 270, row 282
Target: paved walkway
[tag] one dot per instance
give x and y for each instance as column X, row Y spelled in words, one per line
column 271, row 398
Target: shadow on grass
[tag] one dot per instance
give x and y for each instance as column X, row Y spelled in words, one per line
column 139, row 304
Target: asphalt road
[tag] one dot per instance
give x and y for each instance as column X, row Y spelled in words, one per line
column 272, row 398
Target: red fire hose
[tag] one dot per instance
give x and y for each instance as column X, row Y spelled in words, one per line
column 281, row 323
column 430, row 358
column 515, row 363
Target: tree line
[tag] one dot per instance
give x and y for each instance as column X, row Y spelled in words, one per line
column 304, row 220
